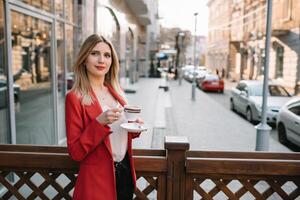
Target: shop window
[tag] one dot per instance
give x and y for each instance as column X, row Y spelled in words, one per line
column 31, row 67
column 72, row 10
column 62, row 81
column 4, row 122
column 70, row 47
column 41, row 4
column 59, row 8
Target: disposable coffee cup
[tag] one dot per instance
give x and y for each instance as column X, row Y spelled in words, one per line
column 132, row 112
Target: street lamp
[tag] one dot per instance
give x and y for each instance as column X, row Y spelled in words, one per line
column 263, row 129
column 179, row 61
column 194, row 75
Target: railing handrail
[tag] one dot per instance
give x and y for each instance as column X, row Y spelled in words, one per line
column 244, row 155
column 63, row 149
column 265, row 167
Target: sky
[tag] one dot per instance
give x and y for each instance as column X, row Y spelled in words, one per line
column 180, row 13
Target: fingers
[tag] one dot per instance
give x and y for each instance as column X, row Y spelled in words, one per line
column 119, row 109
column 113, row 115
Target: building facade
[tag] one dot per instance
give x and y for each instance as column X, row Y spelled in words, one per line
column 217, row 54
column 39, row 41
column 200, row 52
column 247, row 25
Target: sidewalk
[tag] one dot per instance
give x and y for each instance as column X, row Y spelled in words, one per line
column 154, row 102
column 208, row 125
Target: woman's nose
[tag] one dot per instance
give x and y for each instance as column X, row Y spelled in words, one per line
column 100, row 58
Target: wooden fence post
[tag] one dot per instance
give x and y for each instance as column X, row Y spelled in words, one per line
column 176, row 147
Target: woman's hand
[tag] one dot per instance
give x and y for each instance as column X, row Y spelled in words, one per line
column 109, row 116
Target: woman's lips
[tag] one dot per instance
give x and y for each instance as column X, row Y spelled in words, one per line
column 100, row 67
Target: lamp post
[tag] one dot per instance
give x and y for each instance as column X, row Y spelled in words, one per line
column 194, row 75
column 263, row 129
column 181, row 36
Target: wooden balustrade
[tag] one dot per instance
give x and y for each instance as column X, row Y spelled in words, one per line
column 175, row 173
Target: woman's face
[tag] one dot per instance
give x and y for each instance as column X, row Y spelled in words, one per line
column 99, row 60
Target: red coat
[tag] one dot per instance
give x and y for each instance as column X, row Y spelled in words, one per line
column 88, row 143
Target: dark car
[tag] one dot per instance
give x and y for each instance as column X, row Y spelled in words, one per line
column 4, row 93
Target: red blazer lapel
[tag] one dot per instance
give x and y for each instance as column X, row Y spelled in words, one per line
column 116, row 95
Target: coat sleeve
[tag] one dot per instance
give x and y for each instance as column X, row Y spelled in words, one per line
column 81, row 140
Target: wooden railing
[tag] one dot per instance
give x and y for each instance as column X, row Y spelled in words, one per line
column 47, row 172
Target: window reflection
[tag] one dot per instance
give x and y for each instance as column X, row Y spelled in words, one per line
column 60, row 58
column 41, row 4
column 59, row 6
column 71, row 10
column 61, row 85
column 31, row 66
column 4, row 130
column 73, row 45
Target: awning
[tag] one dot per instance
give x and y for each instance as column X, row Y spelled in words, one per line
column 161, row 56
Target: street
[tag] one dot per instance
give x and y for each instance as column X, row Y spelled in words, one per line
column 223, row 99
column 208, row 122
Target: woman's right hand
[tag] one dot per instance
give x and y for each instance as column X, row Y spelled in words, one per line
column 109, row 116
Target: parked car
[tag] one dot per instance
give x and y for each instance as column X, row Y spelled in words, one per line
column 211, row 82
column 69, row 81
column 4, row 93
column 288, row 122
column 189, row 71
column 246, row 98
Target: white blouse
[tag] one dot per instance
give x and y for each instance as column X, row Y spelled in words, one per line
column 119, row 136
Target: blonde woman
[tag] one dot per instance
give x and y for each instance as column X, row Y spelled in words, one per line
column 94, row 112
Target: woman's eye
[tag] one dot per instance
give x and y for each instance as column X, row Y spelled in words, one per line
column 107, row 55
column 94, row 53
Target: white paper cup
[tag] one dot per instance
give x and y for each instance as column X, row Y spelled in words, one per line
column 132, row 112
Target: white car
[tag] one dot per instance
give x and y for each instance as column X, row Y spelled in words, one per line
column 246, row 98
column 288, row 122
column 189, row 71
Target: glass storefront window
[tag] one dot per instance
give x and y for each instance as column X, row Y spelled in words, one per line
column 41, row 4
column 71, row 10
column 61, row 84
column 59, row 8
column 31, row 67
column 70, row 48
column 4, row 122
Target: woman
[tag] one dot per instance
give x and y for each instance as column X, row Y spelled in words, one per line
column 94, row 112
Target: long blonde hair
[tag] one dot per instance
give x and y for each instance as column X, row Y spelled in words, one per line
column 82, row 85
